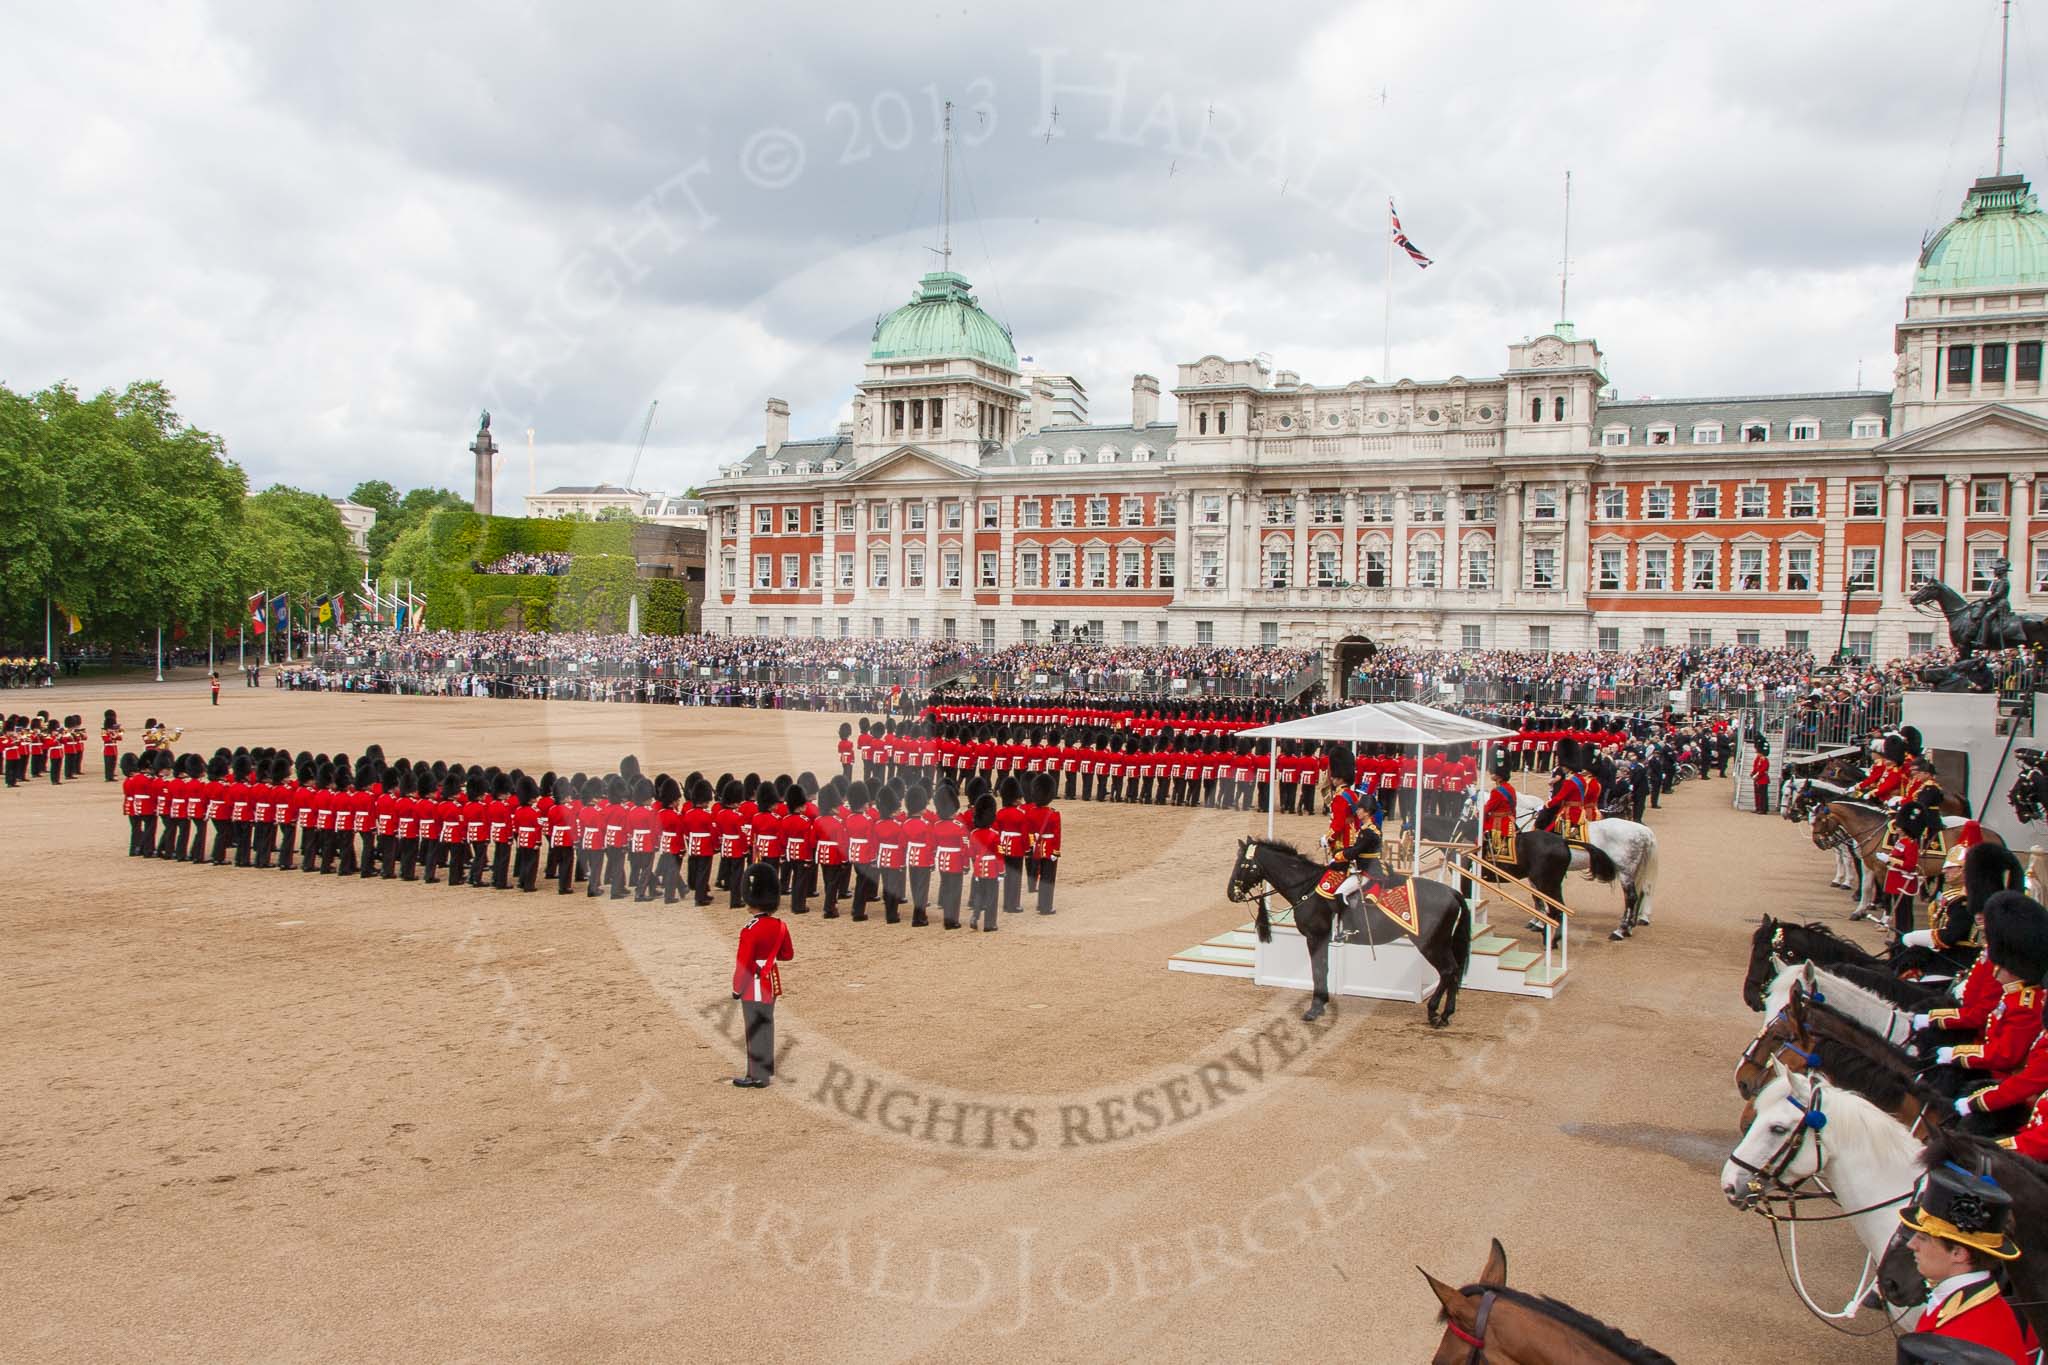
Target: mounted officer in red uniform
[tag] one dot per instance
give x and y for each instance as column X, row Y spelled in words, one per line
column 1497, row 831
column 1566, row 812
column 1961, row 1230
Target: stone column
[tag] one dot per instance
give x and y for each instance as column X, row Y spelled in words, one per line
column 1183, row 543
column 1955, row 560
column 931, row 559
column 1507, row 544
column 743, row 580
column 1006, row 552
column 1894, row 566
column 1233, row 551
column 1400, row 566
column 1254, row 540
column 1301, row 533
column 860, row 556
column 2019, row 508
column 828, row 546
column 1454, row 518
column 1350, row 569
column 898, row 540
column 1575, row 543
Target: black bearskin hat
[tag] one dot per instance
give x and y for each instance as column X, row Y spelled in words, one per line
column 1894, row 749
column 1011, row 791
column 945, row 802
column 2016, row 935
column 886, row 803
column 857, row 796
column 1343, row 767
column 107, row 719
column 666, row 791
column 916, row 799
column 1044, row 789
column 1910, row 734
column 984, row 812
column 128, row 765
column 762, row 893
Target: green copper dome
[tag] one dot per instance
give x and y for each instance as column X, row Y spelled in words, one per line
column 943, row 319
column 1999, row 240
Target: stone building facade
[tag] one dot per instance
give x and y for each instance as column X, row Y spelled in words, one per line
column 1523, row 509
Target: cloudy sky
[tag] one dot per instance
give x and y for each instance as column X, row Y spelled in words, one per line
column 338, row 232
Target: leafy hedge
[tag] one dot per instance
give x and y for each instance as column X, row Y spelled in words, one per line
column 593, row 595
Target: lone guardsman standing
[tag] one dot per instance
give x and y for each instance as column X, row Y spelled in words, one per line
column 756, row 978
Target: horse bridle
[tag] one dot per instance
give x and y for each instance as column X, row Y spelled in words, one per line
column 1749, row 1057
column 1476, row 1338
column 1768, row 1180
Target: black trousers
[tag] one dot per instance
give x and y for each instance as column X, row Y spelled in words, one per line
column 245, row 837
column 479, row 862
column 501, row 866
column 110, row 760
column 864, row 889
column 430, row 859
column 892, row 894
column 387, row 856
column 760, row 1023
column 615, row 872
column 288, row 846
column 981, row 907
column 920, row 881
column 640, row 869
column 135, row 836
column 699, row 878
column 803, row 878
column 565, row 870
column 949, row 898
column 526, row 865
column 264, row 840
column 1048, row 874
column 835, row 887
column 668, row 877
column 223, row 837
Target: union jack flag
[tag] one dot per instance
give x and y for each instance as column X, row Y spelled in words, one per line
column 1401, row 239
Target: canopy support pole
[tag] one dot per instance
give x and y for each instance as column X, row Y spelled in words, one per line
column 1272, row 782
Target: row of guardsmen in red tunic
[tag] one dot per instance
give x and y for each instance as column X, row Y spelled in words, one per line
column 1095, row 763
column 44, row 746
column 1989, row 1047
column 621, row 831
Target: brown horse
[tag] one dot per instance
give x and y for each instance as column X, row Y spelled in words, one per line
column 1810, row 1035
column 1487, row 1321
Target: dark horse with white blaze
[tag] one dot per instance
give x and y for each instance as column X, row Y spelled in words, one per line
column 1443, row 920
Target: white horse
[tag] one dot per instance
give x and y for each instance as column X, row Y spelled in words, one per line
column 1631, row 847
column 1890, row 1022
column 1808, row 1130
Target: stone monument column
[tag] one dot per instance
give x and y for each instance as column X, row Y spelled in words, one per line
column 485, row 449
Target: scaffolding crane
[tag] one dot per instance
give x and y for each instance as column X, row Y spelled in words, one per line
column 645, row 427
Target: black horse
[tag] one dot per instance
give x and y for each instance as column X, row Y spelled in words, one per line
column 1784, row 940
column 1443, row 919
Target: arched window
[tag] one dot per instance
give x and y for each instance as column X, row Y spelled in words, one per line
column 1557, row 406
column 1536, row 408
column 1478, row 557
column 1375, row 562
column 1201, row 424
column 1425, row 561
column 1222, row 421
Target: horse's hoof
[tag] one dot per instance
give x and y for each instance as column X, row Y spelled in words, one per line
column 1311, row 1014
column 1618, row 935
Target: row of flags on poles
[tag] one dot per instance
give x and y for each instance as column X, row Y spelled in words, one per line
column 332, row 611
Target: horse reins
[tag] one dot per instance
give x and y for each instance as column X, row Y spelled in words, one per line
column 1476, row 1338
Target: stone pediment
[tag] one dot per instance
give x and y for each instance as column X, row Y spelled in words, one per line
column 909, row 464
column 1994, row 427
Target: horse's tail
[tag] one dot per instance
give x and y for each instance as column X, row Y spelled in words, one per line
column 1599, row 866
column 1646, row 873
column 1963, row 798
column 1461, row 942
column 1264, row 923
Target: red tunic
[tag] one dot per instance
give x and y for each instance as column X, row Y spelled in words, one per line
column 888, row 837
column 700, row 831
column 798, row 841
column 2009, row 1035
column 986, row 859
column 828, row 833
column 764, row 942
column 949, row 846
column 731, row 827
column 526, row 824
column 1981, row 993
column 1978, row 1312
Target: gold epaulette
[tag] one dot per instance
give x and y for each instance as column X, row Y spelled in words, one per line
column 1967, row 1050
column 1936, row 1016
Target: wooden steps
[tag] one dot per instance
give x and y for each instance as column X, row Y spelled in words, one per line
column 1500, row 962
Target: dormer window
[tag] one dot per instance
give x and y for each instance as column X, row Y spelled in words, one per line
column 1706, row 433
column 803, row 466
column 1041, row 457
column 1662, row 435
column 1614, row 436
column 775, row 467
column 1141, row 454
column 1106, row 455
column 1805, row 429
column 1866, row 429
column 1072, row 456
column 833, row 466
column 1753, row 432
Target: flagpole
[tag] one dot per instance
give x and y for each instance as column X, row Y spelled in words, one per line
column 49, row 649
column 159, row 652
column 1387, row 308
column 263, row 611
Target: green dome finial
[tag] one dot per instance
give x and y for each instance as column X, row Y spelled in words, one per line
column 1999, row 240
column 943, row 320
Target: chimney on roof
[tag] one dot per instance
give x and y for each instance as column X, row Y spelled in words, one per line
column 778, row 425
column 1144, row 400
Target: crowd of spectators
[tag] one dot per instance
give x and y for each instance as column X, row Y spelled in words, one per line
column 521, row 561
column 1144, row 668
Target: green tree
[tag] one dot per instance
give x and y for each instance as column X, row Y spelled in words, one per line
column 376, row 494
column 117, row 510
column 398, row 516
column 293, row 541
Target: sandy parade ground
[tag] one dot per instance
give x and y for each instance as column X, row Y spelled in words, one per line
column 256, row 1115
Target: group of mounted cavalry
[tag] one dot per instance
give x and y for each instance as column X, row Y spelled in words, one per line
column 1908, row 1088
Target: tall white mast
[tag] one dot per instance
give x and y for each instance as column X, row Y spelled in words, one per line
column 2004, row 47
column 946, row 191
column 1564, row 277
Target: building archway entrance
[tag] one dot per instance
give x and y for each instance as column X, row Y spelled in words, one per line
column 1352, row 651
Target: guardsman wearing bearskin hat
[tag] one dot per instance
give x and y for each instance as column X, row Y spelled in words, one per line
column 757, row 977
column 1887, row 771
column 2016, row 945
column 1497, row 842
column 1565, row 813
column 1961, row 1226
column 1352, row 806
